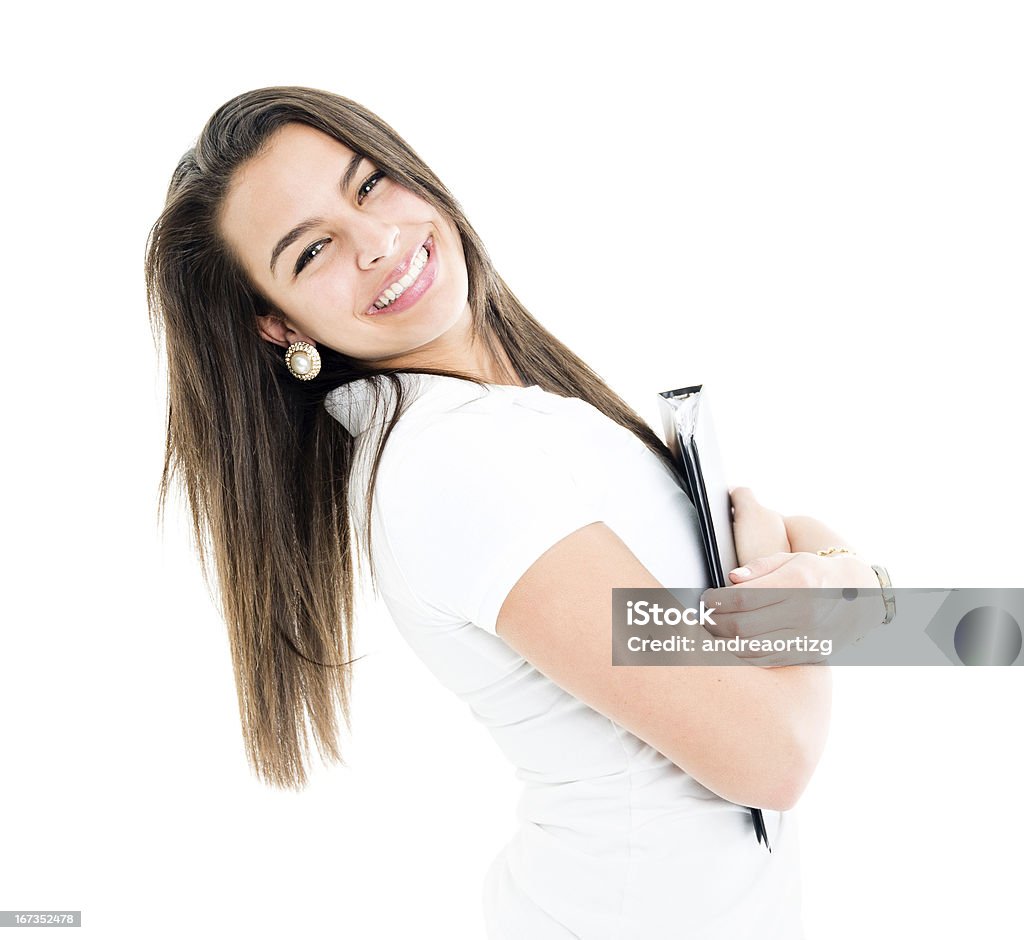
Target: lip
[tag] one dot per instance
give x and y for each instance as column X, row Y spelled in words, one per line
column 416, row 290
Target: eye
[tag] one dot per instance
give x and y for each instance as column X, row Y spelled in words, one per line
column 368, row 185
column 310, row 253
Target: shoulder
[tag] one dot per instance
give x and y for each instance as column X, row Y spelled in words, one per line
column 446, row 417
column 485, row 464
column 468, row 498
column 497, row 435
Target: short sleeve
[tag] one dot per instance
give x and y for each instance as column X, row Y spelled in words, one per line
column 471, row 501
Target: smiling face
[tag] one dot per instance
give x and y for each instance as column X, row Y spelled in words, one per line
column 353, row 260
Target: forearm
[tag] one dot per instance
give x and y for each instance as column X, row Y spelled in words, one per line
column 766, row 734
column 809, row 687
column 811, row 535
column 809, row 697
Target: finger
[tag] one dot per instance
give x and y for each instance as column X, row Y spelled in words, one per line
column 759, row 567
column 741, row 496
column 759, row 623
column 733, row 600
column 756, row 530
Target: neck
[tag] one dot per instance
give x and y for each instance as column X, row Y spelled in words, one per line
column 462, row 352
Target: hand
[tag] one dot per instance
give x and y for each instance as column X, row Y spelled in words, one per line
column 810, row 624
column 757, row 530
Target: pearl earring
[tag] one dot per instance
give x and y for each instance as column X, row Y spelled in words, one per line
column 303, row 361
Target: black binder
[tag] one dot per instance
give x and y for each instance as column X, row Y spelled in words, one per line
column 690, row 436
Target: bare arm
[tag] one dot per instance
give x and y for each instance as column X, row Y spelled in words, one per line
column 811, row 535
column 761, row 531
column 751, row 735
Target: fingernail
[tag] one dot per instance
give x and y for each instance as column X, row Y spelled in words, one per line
column 743, row 572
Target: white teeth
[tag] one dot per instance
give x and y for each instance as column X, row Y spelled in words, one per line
column 396, row 290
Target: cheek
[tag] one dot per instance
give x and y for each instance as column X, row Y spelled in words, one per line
column 326, row 294
column 456, row 253
column 461, row 273
column 403, row 206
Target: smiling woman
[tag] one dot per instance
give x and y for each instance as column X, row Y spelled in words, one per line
column 335, row 268
column 350, row 380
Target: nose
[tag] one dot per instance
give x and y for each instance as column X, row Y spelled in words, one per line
column 376, row 241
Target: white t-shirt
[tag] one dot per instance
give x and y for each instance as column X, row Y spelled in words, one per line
column 615, row 841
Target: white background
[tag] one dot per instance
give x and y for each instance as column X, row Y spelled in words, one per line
column 813, row 208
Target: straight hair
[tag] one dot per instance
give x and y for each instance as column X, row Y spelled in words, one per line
column 265, row 470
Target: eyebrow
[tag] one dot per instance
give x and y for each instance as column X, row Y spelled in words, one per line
column 296, row 233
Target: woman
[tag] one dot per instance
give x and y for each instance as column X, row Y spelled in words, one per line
column 350, row 381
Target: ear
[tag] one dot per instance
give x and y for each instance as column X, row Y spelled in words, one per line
column 276, row 330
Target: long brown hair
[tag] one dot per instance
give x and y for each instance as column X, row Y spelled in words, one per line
column 264, row 467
